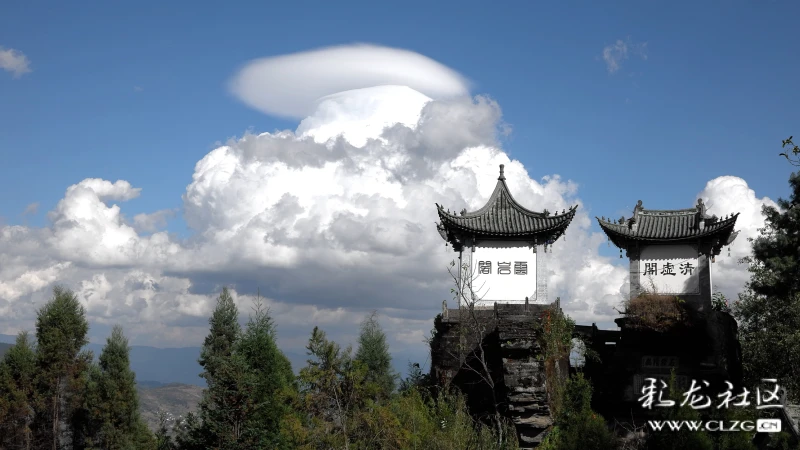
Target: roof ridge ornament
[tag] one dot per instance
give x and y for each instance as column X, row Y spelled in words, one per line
column 502, row 175
column 633, row 222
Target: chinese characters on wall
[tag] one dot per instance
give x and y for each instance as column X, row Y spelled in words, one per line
column 671, row 269
column 667, row 268
column 503, row 272
column 503, row 268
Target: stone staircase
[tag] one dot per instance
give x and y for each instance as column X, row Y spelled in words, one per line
column 523, row 388
column 523, row 371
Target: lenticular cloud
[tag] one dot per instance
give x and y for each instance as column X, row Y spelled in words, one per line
column 291, row 85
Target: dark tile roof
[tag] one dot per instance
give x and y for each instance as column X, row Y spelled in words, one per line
column 502, row 216
column 667, row 226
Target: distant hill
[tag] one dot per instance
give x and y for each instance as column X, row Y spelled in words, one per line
column 159, row 366
column 4, row 348
column 175, row 399
column 151, row 364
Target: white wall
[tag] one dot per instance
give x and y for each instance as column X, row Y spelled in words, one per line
column 505, row 281
column 672, row 268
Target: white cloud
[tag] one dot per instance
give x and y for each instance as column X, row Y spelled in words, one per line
column 728, row 195
column 327, row 229
column 149, row 223
column 31, row 209
column 14, row 61
column 291, row 85
column 362, row 114
column 614, row 54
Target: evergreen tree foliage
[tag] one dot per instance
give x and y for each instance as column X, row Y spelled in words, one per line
column 768, row 312
column 332, row 387
column 416, row 379
column 16, row 394
column 162, row 436
column 190, row 434
column 340, row 410
column 373, row 352
column 269, row 376
column 61, row 329
column 227, row 400
column 112, row 400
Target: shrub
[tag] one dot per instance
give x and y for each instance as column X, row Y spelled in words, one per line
column 577, row 426
column 657, row 312
column 683, row 438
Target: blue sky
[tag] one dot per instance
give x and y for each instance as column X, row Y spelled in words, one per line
column 138, row 93
column 715, row 95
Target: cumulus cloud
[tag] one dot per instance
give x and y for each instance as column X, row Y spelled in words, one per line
column 327, row 222
column 614, row 54
column 149, row 223
column 291, row 85
column 14, row 61
column 729, row 195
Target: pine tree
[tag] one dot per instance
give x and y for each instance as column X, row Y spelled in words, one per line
column 16, row 394
column 768, row 312
column 226, row 401
column 61, row 329
column 163, row 439
column 269, row 377
column 190, row 434
column 333, row 389
column 373, row 352
column 113, row 406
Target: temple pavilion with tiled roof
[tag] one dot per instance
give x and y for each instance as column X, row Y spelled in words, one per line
column 687, row 237
column 503, row 225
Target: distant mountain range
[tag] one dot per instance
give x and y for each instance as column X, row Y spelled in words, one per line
column 155, row 367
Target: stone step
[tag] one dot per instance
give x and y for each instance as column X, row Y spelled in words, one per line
column 519, row 344
column 535, row 420
column 529, row 397
column 534, row 408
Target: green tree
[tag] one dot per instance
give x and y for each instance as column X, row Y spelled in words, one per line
column 163, row 438
column 113, row 402
column 61, row 329
column 269, row 376
column 190, row 434
column 16, row 394
column 373, row 352
column 226, row 402
column 768, row 312
column 332, row 388
column 416, row 379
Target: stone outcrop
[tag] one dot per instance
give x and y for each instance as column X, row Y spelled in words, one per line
column 511, row 340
